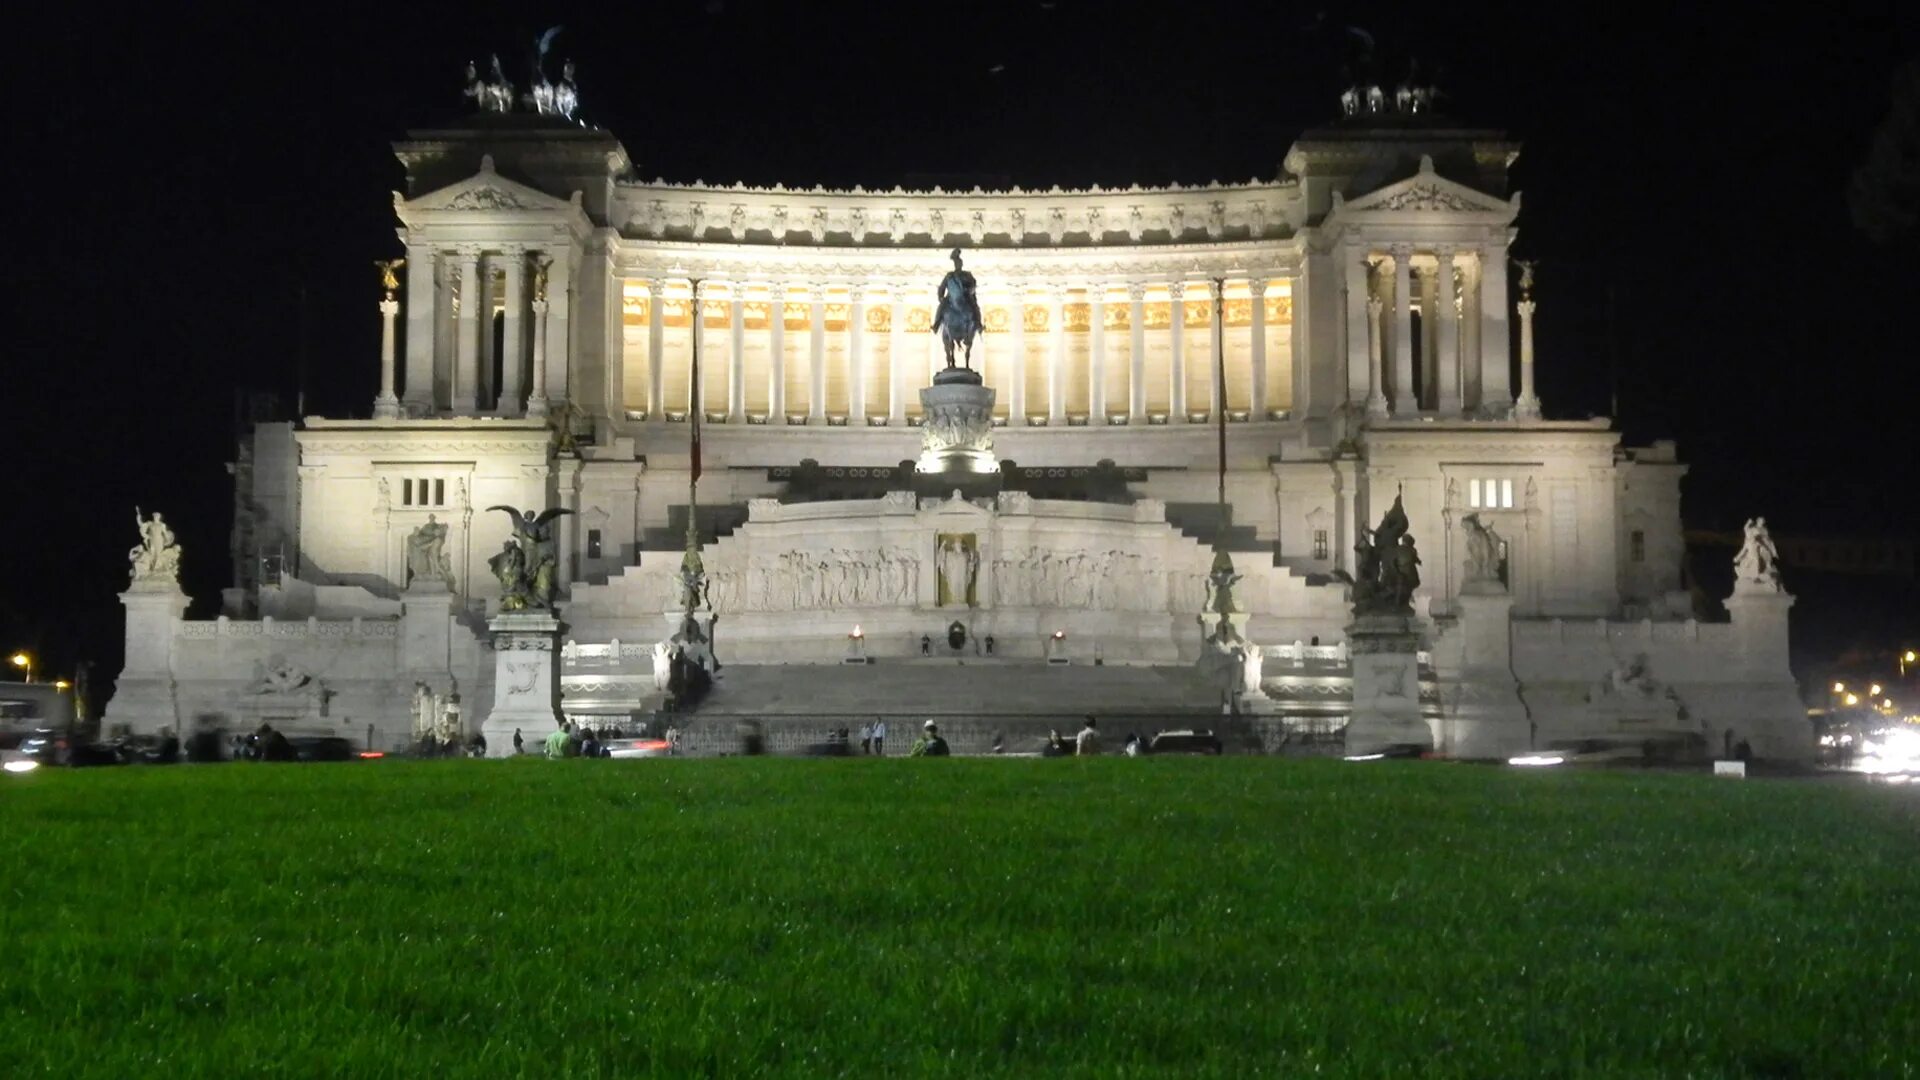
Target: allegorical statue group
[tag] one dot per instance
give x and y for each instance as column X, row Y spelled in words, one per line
column 1386, row 567
column 525, row 564
column 156, row 558
column 495, row 93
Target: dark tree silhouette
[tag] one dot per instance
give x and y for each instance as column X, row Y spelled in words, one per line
column 1884, row 194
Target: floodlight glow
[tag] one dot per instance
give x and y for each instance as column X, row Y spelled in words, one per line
column 21, row 765
column 1536, row 760
column 1839, row 688
column 1365, row 757
column 1874, row 690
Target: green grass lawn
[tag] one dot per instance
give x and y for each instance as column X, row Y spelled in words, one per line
column 730, row 917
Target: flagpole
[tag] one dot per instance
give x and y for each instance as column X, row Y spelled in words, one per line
column 690, row 567
column 1220, row 400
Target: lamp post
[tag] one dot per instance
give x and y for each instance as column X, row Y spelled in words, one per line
column 1906, row 658
column 24, row 662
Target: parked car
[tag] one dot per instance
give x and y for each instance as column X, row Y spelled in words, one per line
column 1185, row 742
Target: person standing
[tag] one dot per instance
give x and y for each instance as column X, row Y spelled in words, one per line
column 866, row 738
column 1087, row 743
column 519, row 743
column 557, row 742
column 930, row 744
column 880, row 738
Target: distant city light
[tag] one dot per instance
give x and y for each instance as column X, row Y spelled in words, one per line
column 1839, row 688
column 1874, row 690
column 1852, row 699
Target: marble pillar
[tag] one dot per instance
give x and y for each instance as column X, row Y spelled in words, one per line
column 1404, row 403
column 387, row 405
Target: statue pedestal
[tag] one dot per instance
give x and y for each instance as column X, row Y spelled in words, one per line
column 956, row 432
column 1482, row 713
column 526, row 687
column 1386, row 686
column 143, row 698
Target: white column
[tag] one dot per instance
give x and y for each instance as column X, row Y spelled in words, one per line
column 421, row 261
column 387, row 406
column 1257, row 348
column 656, row 348
column 559, row 307
column 1376, row 394
column 1299, row 332
column 1448, row 402
column 1137, row 352
column 1057, row 357
column 777, row 353
column 697, row 388
column 1496, row 385
column 537, row 399
column 1528, row 407
column 486, row 395
column 1359, row 334
column 1017, row 393
column 817, row 368
column 737, row 354
column 1176, row 351
column 1403, row 401
column 513, row 341
column 466, row 371
column 1429, row 339
column 1097, row 353
column 897, row 366
column 856, row 363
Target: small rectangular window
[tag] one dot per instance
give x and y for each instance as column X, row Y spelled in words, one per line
column 406, row 492
column 1473, row 494
column 1320, row 543
column 439, row 493
column 1506, row 494
column 593, row 543
column 1639, row 545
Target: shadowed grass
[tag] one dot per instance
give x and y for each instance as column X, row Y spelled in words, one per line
column 1229, row 917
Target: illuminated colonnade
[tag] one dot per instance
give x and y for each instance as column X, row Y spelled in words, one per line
column 813, row 353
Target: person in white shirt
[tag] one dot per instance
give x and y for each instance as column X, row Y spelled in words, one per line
column 1087, row 743
column 880, row 737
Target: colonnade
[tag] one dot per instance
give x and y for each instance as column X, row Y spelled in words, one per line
column 454, row 295
column 1440, row 306
column 1038, row 338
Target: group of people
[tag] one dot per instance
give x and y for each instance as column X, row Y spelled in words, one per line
column 1085, row 742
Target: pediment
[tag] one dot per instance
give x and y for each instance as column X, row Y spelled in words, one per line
column 1428, row 192
column 486, row 190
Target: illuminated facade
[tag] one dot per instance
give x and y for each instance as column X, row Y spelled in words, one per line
column 1369, row 339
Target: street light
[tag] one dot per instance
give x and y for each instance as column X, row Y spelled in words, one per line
column 24, row 662
column 1874, row 690
column 62, row 684
column 1906, row 658
column 1839, row 688
column 1852, row 699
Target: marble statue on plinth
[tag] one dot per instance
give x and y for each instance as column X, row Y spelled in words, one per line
column 525, row 564
column 1386, row 567
column 959, row 561
column 156, row 558
column 956, row 316
column 1483, row 551
column 427, row 553
column 1757, row 565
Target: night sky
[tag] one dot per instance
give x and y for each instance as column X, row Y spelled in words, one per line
column 196, row 202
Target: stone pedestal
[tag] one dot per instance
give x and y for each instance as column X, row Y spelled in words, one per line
column 1482, row 713
column 1772, row 720
column 1386, row 686
column 526, row 686
column 956, row 433
column 426, row 622
column 143, row 698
